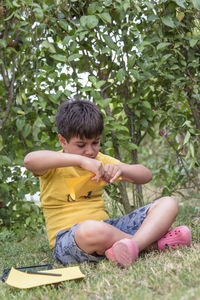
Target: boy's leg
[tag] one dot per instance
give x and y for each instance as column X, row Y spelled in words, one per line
column 119, row 238
column 159, row 219
column 153, row 228
column 97, row 237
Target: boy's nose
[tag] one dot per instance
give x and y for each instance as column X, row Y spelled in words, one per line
column 89, row 151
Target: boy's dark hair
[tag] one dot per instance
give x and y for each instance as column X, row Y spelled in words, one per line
column 79, row 118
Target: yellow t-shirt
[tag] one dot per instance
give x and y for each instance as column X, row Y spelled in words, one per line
column 68, row 196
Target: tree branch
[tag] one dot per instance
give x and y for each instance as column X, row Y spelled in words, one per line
column 195, row 112
column 6, row 83
column 182, row 162
column 74, row 24
column 122, row 185
column 85, row 57
column 10, row 96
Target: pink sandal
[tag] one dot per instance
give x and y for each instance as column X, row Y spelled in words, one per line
column 123, row 252
column 177, row 237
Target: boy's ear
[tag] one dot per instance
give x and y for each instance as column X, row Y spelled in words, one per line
column 62, row 140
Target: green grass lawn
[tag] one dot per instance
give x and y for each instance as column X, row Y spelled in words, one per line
column 169, row 275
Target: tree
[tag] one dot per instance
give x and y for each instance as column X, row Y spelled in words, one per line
column 138, row 60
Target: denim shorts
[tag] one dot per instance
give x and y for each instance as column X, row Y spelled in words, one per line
column 66, row 250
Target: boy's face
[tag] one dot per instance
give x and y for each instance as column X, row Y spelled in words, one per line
column 84, row 147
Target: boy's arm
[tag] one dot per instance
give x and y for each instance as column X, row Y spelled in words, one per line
column 137, row 174
column 133, row 173
column 39, row 162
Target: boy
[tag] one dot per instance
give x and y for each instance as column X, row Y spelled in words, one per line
column 78, row 226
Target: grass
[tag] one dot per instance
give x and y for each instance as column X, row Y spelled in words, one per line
column 168, row 275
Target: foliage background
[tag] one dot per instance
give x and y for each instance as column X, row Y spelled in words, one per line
column 138, row 60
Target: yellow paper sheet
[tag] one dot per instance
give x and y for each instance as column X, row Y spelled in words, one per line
column 82, row 185
column 24, row 280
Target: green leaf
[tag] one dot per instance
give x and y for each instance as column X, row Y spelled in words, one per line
column 122, row 128
column 66, row 40
column 131, row 61
column 92, row 21
column 187, row 137
column 5, row 160
column 132, row 146
column 64, row 25
column 93, row 79
column 15, row 4
column 168, row 21
column 38, row 14
column 19, row 99
column 73, row 47
column 53, row 98
column 151, row 132
column 86, row 89
column 20, row 112
column 135, row 74
column 188, row 124
column 59, row 57
column 46, row 44
column 121, row 75
column 165, row 57
column 10, row 17
column 105, row 17
column 126, row 5
column 193, row 42
column 191, row 146
column 109, row 42
column 196, row 3
column 144, row 123
column 89, row 21
column 74, row 56
column 163, row 45
column 92, row 8
column 193, row 162
column 105, row 102
column 67, row 93
column 2, row 43
column 180, row 3
column 83, row 21
column 27, row 130
column 99, row 84
column 20, row 123
column 146, row 104
column 180, row 16
column 137, row 113
column 82, row 35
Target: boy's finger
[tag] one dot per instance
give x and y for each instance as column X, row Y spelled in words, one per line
column 115, row 177
column 95, row 178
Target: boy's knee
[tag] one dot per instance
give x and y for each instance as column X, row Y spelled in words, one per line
column 172, row 204
column 87, row 231
column 92, row 236
column 167, row 203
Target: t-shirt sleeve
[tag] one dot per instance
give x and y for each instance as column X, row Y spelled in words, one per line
column 45, row 175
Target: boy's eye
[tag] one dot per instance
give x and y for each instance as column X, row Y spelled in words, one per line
column 96, row 143
column 81, row 146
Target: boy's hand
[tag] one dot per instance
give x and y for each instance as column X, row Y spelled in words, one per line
column 94, row 166
column 111, row 173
